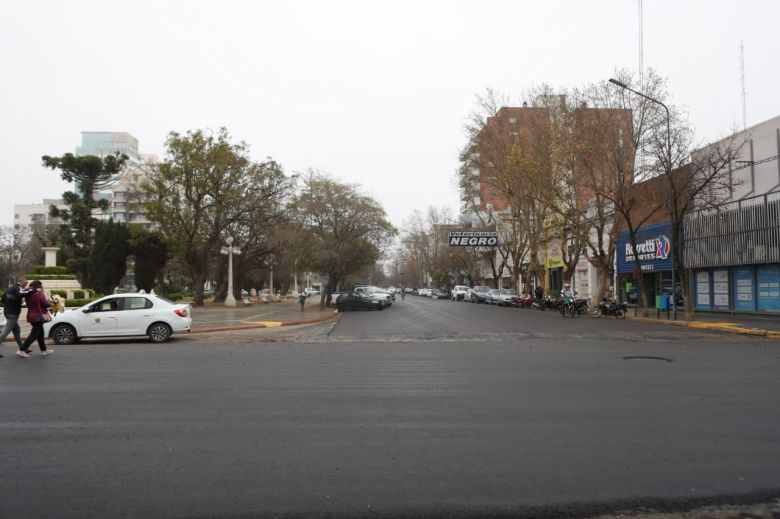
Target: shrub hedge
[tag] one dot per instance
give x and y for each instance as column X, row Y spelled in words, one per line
column 40, row 270
column 50, row 277
column 78, row 294
column 59, row 293
column 75, row 303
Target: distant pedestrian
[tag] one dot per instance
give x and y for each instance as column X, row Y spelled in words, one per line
column 37, row 306
column 12, row 307
column 302, row 300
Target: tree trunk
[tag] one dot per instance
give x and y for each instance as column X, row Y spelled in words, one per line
column 602, row 282
column 221, row 292
column 326, row 294
column 199, row 282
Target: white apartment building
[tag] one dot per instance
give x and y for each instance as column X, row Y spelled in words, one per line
column 37, row 214
column 121, row 192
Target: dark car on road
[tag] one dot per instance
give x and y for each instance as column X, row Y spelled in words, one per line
column 357, row 301
column 478, row 294
column 440, row 293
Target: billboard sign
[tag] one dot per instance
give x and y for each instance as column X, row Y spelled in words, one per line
column 653, row 248
column 473, row 238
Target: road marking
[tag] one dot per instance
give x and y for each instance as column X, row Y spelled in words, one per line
column 268, row 324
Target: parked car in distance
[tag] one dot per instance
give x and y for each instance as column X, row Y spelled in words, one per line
column 492, row 296
column 437, row 293
column 358, row 301
column 121, row 315
column 479, row 293
column 504, row 297
column 459, row 292
column 409, row 290
column 311, row 291
column 425, row 292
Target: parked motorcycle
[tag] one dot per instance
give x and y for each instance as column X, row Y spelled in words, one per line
column 610, row 307
column 542, row 304
column 581, row 306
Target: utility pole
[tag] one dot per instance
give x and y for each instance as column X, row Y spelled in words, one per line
column 742, row 79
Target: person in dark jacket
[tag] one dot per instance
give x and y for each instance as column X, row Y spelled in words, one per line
column 37, row 306
column 12, row 307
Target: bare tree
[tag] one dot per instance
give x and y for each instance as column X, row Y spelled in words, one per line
column 17, row 249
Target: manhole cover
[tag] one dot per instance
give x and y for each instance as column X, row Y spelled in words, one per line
column 648, row 357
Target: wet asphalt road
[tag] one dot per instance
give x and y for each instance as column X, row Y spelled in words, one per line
column 428, row 408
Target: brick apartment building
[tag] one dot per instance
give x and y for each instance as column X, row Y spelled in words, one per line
column 602, row 140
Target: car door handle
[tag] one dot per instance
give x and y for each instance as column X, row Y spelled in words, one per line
column 147, row 315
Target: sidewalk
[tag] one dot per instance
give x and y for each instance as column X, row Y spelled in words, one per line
column 744, row 324
column 211, row 318
column 216, row 317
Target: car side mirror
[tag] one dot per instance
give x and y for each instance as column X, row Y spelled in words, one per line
column 86, row 310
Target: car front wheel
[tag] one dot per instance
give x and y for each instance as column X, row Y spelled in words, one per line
column 160, row 332
column 64, row 334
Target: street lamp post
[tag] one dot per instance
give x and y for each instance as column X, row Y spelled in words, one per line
column 230, row 300
column 668, row 165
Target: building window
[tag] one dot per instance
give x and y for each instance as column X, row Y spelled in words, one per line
column 515, row 136
column 16, row 217
column 492, row 194
column 513, row 120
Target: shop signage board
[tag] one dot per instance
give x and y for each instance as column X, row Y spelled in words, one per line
column 653, row 247
column 473, row 238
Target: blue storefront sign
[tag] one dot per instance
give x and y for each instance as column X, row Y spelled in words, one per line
column 653, row 247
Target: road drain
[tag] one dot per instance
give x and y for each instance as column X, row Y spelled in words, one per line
column 645, row 357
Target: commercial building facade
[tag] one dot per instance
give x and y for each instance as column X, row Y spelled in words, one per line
column 733, row 248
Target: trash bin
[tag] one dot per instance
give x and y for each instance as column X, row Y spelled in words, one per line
column 658, row 302
column 664, row 302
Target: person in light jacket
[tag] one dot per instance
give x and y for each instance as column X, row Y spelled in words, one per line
column 37, row 306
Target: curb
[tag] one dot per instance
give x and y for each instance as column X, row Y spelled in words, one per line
column 717, row 327
column 265, row 324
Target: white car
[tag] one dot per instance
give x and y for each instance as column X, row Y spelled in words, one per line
column 121, row 315
column 459, row 293
column 311, row 291
column 505, row 297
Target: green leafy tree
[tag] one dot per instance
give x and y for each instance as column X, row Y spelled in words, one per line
column 108, row 261
column 343, row 230
column 76, row 236
column 193, row 197
column 258, row 223
column 151, row 257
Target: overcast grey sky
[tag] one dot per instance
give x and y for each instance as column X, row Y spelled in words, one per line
column 373, row 93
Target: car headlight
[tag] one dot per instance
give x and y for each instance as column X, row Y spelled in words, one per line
column 375, row 302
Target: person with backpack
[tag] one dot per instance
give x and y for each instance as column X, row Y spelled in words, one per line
column 37, row 316
column 12, row 307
